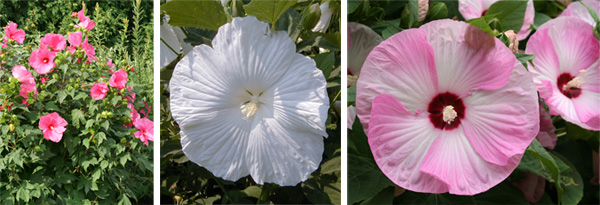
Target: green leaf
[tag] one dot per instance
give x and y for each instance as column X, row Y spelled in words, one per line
column 76, row 117
column 570, row 180
column 268, row 11
column 357, row 140
column 365, row 180
column 351, row 94
column 504, row 192
column 332, row 166
column 510, row 14
column 539, row 19
column 410, row 197
column 325, row 62
column 204, row 14
column 51, row 106
column 253, row 191
column 23, row 194
column 413, row 12
column 385, row 196
column 124, row 200
column 575, row 132
column 352, row 5
column 86, row 143
column 481, row 24
column 524, row 58
column 116, row 99
column 62, row 94
column 547, row 162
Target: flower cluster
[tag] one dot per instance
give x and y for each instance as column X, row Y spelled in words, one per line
column 46, row 60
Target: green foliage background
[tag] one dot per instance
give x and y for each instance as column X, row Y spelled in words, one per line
column 183, row 181
column 567, row 168
column 98, row 160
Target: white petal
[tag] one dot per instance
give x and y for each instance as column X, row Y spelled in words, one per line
column 277, row 154
column 169, row 45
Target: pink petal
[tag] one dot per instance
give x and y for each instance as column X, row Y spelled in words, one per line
column 351, row 116
column 546, row 135
column 467, row 57
column 502, row 123
column 402, row 66
column 361, row 40
column 576, row 46
column 576, row 9
column 587, row 107
column 452, row 160
column 545, row 64
column 399, row 139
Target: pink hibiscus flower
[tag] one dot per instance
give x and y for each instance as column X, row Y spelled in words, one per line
column 56, row 42
column 118, row 79
column 89, row 50
column 85, row 21
column 447, row 108
column 146, row 130
column 43, row 80
column 53, row 126
column 99, row 90
column 24, row 76
column 471, row 9
column 566, row 70
column 14, row 34
column 576, row 9
column 42, row 60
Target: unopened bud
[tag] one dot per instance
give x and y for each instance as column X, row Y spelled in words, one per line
column 514, row 42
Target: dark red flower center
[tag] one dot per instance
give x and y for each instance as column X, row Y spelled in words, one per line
column 51, row 127
column 45, row 60
column 483, row 13
column 446, row 110
column 562, row 82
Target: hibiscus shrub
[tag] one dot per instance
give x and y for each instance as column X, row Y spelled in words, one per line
column 74, row 128
column 313, row 26
column 392, row 148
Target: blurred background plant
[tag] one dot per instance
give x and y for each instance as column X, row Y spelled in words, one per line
column 315, row 35
column 98, row 160
column 573, row 178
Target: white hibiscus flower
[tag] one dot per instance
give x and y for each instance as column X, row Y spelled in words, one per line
column 251, row 105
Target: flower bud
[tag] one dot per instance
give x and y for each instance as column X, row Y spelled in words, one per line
column 423, row 7
column 512, row 39
column 37, row 148
column 437, row 10
column 310, row 16
column 11, row 127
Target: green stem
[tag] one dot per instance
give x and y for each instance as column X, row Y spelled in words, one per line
column 265, row 193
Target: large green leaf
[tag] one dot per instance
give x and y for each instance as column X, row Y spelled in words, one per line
column 365, row 179
column 204, row 14
column 570, row 180
column 268, row 11
column 410, row 197
column 504, row 192
column 510, row 14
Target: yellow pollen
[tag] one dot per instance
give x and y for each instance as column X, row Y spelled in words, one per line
column 249, row 109
column 51, row 127
column 45, row 60
column 449, row 114
column 576, row 82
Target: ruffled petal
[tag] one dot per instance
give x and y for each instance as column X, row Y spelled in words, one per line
column 467, row 57
column 502, row 123
column 256, row 56
column 399, row 140
column 402, row 66
column 362, row 40
column 277, row 154
column 219, row 145
column 575, row 44
column 452, row 160
column 587, row 107
column 299, row 98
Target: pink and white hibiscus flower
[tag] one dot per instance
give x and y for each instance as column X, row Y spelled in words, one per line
column 471, row 9
column 447, row 108
column 576, row 9
column 14, row 34
column 566, row 70
column 53, row 126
